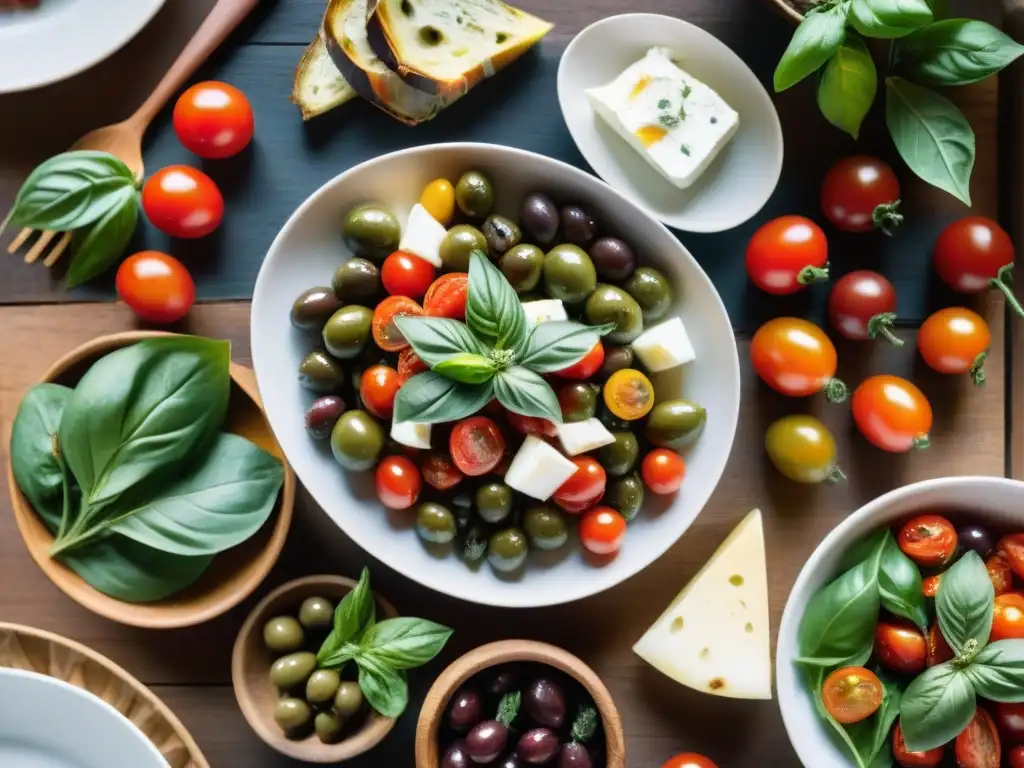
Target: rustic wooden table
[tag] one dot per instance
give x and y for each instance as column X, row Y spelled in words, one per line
column 189, row 669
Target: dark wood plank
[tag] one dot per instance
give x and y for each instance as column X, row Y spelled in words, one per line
column 1012, row 215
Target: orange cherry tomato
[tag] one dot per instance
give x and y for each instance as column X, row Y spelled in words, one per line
column 183, row 202
column 1012, row 548
column 439, row 471
column 1017, row 757
column 1010, row 721
column 955, row 340
column 447, row 295
column 213, row 120
column 404, row 274
column 398, row 482
column 531, row 425
column 852, row 694
column 629, row 394
column 1001, row 574
column 156, row 287
column 900, row 646
column 587, row 366
column 385, row 330
column 476, row 445
column 939, row 651
column 978, row 744
column 1008, row 618
column 409, row 364
column 663, row 471
column 892, row 413
column 796, row 358
column 602, row 530
column 928, row 540
column 377, row 389
column 585, row 488
column 909, row 759
column 689, row 760
column 930, row 585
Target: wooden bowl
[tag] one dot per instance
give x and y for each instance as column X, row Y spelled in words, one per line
column 232, row 576
column 788, row 10
column 256, row 695
column 428, row 754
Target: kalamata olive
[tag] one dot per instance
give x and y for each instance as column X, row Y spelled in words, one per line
column 486, row 741
column 456, row 756
column 322, row 414
column 578, row 225
column 466, row 710
column 545, row 703
column 511, row 761
column 613, row 259
column 502, row 681
column 539, row 217
column 537, row 746
column 977, row 538
column 574, row 756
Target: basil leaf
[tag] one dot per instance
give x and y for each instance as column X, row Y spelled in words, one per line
column 430, row 398
column 385, row 688
column 100, row 246
column 819, row 36
column 72, row 190
column 848, row 86
column 964, row 604
column 998, row 672
column 871, row 737
column 406, row 642
column 356, row 611
column 859, row 659
column 955, row 52
column 936, row 707
column 889, row 18
column 557, row 344
column 467, row 368
column 932, row 135
column 899, row 584
column 33, row 439
column 435, row 339
column 524, row 392
column 492, row 306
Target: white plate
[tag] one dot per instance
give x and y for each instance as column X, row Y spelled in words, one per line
column 309, row 249
column 743, row 176
column 61, row 38
column 47, row 723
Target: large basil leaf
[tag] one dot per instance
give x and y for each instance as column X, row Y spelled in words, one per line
column 98, row 247
column 430, row 398
column 405, row 642
column 435, row 339
column 848, row 86
column 889, row 18
column 33, row 440
column 493, row 310
column 936, row 707
column 964, row 604
column 932, row 135
column 385, row 688
column 523, row 391
column 998, row 672
column 557, row 344
column 819, row 36
column 356, row 612
column 955, row 52
column 899, row 580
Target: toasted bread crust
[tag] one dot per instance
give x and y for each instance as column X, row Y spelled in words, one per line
column 314, row 51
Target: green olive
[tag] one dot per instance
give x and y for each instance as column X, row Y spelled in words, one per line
column 347, row 331
column 473, row 546
column 474, row 194
column 316, row 613
column 609, row 304
column 675, row 423
column 501, row 234
column 578, row 400
column 357, row 281
column 311, row 310
column 610, row 420
column 619, row 458
column 506, row 550
column 569, row 274
column 371, row 232
column 292, row 714
column 435, row 523
column 652, row 292
column 461, row 241
column 803, row 449
column 357, row 441
column 293, row 670
column 615, row 359
column 546, row 527
column 522, row 266
column 322, row 686
column 283, row 634
column 320, row 372
column 328, row 727
column 626, row 495
column 348, row 700
column 493, row 502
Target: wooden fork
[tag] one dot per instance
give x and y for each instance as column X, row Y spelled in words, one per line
column 124, row 139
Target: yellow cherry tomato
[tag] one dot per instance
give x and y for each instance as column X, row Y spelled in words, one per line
column 439, row 199
column 629, row 394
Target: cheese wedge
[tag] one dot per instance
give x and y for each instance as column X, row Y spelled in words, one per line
column 664, row 346
column 423, row 236
column 581, row 436
column 542, row 310
column 319, row 87
column 538, row 469
column 411, row 433
column 715, row 637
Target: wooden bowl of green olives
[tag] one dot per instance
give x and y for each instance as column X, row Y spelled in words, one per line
column 307, row 714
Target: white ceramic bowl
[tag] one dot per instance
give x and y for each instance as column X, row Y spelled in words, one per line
column 986, row 499
column 739, row 181
column 309, row 249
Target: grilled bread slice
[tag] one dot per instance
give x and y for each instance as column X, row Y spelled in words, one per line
column 319, row 86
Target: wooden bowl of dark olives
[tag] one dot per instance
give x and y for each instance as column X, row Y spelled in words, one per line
column 310, row 714
column 519, row 703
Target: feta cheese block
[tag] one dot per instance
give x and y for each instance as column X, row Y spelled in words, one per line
column 715, row 637
column 676, row 122
column 411, row 434
column 543, row 310
column 423, row 235
column 538, row 469
column 582, row 436
column 664, row 346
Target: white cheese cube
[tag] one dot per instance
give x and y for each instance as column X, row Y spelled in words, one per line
column 411, row 434
column 423, row 235
column 582, row 436
column 544, row 310
column 538, row 470
column 664, row 346
column 677, row 123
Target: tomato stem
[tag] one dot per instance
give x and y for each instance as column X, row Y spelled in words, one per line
column 1004, row 282
column 922, row 441
column 836, row 391
column 887, row 217
column 881, row 325
column 834, row 475
column 978, row 369
column 810, row 274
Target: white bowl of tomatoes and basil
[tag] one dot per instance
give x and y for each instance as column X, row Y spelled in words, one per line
column 902, row 642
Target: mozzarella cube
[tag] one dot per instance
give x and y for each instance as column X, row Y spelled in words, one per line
column 411, row 434
column 664, row 346
column 423, row 235
column 582, row 436
column 538, row 470
column 544, row 310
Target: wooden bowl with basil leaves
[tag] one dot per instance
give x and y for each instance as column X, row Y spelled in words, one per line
column 146, row 482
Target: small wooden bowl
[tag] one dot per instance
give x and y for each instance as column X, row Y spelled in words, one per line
column 232, row 576
column 256, row 695
column 428, row 754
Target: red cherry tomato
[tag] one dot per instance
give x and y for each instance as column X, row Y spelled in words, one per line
column 476, row 445
column 1017, row 757
column 446, row 297
column 531, row 425
column 978, row 745
column 892, row 413
column 939, row 651
column 862, row 305
column 900, row 646
column 852, row 694
column 928, row 540
column 955, row 340
column 786, row 254
column 1001, row 573
column 689, row 760
column 909, row 759
column 409, row 364
column 385, row 329
column 663, row 471
column 377, row 389
column 1012, row 548
column 970, row 252
column 1008, row 619
column 214, row 120
column 930, row 585
column 398, row 482
column 183, row 202
column 796, row 358
column 1010, row 721
column 585, row 367
column 602, row 530
column 862, row 193
column 155, row 286
column 406, row 275
column 439, row 471
column 585, row 488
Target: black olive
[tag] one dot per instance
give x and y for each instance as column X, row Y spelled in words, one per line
column 456, row 756
column 466, row 710
column 578, row 225
column 574, row 756
column 537, row 746
column 545, row 703
column 486, row 741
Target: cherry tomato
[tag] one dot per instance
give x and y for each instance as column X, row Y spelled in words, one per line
column 970, row 253
column 862, row 193
column 786, row 254
column 398, row 482
column 531, row 425
column 1001, row 573
column 585, row 488
column 377, row 389
column 1008, row 619
column 629, row 394
column 1017, row 757
column 892, row 413
column 928, row 540
column 955, row 340
column 852, row 694
column 406, row 275
column 439, row 471
column 385, row 330
column 602, row 530
column 930, row 585
column 446, row 297
column 978, row 744
column 909, row 759
column 663, row 471
column 183, row 202
column 900, row 646
column 862, row 305
column 213, row 120
column 689, row 760
column 1010, row 721
column 796, row 358
column 803, row 449
column 476, row 445
column 1012, row 548
column 155, row 286
column 409, row 364
column 587, row 366
column 939, row 651
column 439, row 199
